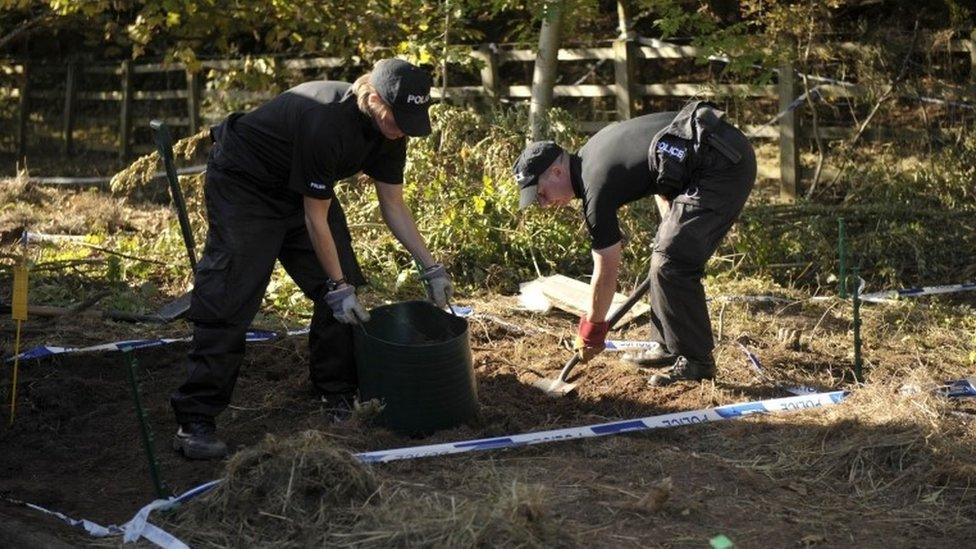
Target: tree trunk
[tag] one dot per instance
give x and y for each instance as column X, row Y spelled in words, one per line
column 544, row 76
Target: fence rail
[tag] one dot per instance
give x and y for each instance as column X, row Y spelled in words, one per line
column 624, row 54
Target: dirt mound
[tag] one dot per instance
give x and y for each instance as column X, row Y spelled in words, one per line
column 284, row 491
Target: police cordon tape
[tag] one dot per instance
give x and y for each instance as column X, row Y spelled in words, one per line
column 892, row 295
column 252, row 336
column 888, row 296
column 757, row 366
column 140, row 527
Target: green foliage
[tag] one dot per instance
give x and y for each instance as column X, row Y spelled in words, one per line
column 460, row 188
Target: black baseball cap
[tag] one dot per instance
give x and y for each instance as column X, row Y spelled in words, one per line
column 406, row 88
column 535, row 159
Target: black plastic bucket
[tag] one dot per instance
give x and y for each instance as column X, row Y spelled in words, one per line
column 416, row 359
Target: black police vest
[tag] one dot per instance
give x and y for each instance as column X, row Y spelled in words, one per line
column 673, row 151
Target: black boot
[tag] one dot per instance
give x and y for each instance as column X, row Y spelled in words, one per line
column 682, row 370
column 198, row 440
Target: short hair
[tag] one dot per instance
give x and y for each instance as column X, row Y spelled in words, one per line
column 362, row 88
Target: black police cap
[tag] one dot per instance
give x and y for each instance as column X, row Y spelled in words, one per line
column 406, row 88
column 535, row 159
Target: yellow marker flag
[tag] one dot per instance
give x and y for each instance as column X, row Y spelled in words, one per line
column 20, row 293
column 19, row 310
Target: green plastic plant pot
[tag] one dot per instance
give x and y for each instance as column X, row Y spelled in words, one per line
column 416, row 359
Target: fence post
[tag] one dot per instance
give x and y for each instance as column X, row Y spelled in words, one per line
column 489, row 72
column 70, row 92
column 125, row 120
column 972, row 57
column 193, row 101
column 624, row 63
column 24, row 111
column 789, row 166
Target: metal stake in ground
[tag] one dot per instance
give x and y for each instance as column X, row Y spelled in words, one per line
column 145, row 429
column 842, row 258
column 560, row 385
column 856, row 300
column 164, row 144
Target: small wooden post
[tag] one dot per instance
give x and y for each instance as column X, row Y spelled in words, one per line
column 972, row 57
column 125, row 117
column 789, row 165
column 24, row 111
column 624, row 63
column 489, row 72
column 193, row 101
column 70, row 92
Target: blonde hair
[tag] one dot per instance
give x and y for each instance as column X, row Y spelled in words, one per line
column 362, row 88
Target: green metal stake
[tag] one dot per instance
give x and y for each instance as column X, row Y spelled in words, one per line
column 147, row 436
column 856, row 299
column 842, row 257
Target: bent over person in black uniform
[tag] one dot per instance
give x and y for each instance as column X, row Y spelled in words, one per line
column 700, row 170
column 269, row 196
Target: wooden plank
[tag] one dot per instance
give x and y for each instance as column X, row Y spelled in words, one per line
column 315, row 63
column 707, row 90
column 569, row 54
column 68, row 119
column 125, row 113
column 158, row 67
column 573, row 296
column 458, row 91
column 100, row 96
column 669, row 52
column 585, row 90
column 159, row 95
column 789, row 156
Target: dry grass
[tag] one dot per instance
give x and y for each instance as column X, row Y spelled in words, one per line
column 283, row 492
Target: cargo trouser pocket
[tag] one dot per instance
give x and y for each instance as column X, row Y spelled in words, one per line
column 690, row 233
column 211, row 300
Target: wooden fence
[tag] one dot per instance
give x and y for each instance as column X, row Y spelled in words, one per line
column 625, row 55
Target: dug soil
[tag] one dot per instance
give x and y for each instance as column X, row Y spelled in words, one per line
column 75, row 446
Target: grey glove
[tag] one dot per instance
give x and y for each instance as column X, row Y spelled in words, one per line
column 345, row 306
column 438, row 284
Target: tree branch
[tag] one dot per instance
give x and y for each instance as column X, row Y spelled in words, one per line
column 25, row 27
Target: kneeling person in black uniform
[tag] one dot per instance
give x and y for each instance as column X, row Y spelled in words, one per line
column 700, row 170
column 269, row 196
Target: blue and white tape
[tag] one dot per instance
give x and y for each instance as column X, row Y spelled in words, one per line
column 753, row 360
column 626, row 345
column 961, row 388
column 252, row 336
column 677, row 419
column 891, row 295
column 138, row 526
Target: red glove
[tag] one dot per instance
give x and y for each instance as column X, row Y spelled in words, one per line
column 590, row 339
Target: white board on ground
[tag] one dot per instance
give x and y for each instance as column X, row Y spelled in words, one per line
column 570, row 295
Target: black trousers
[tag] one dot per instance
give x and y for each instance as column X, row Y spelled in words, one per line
column 698, row 221
column 250, row 228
